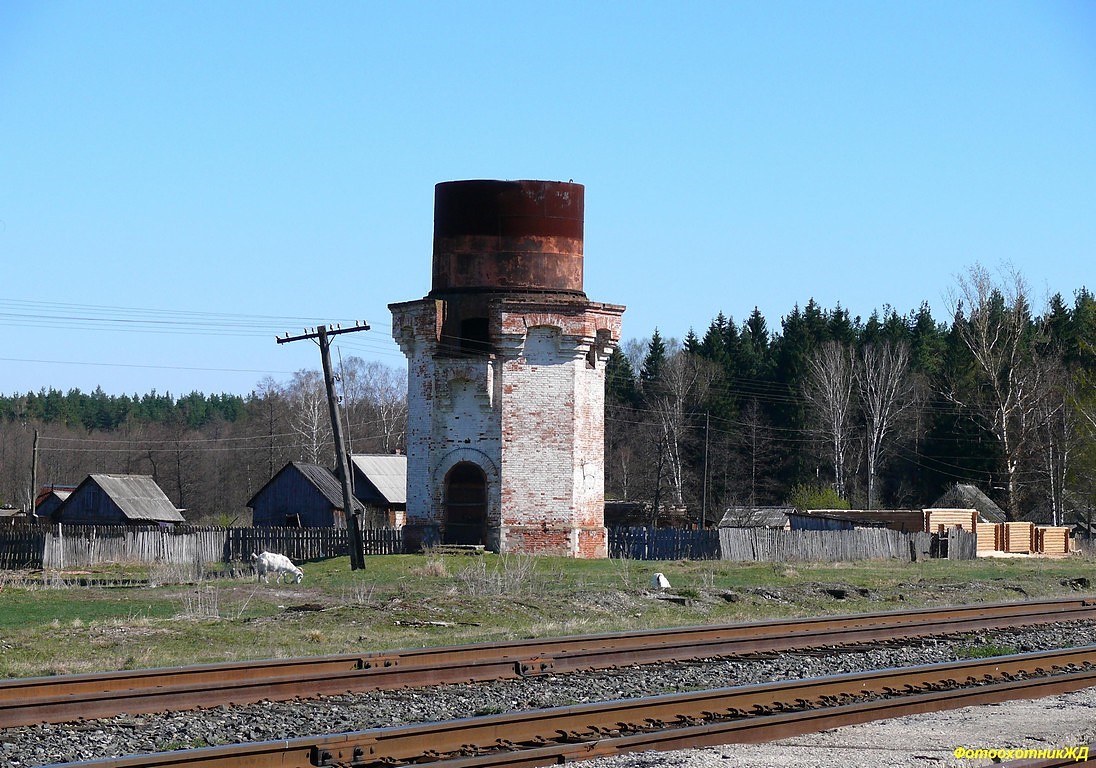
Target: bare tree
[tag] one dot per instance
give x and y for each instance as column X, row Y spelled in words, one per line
column 375, row 399
column 310, row 420
column 684, row 381
column 829, row 393
column 756, row 449
column 1058, row 422
column 886, row 391
column 995, row 325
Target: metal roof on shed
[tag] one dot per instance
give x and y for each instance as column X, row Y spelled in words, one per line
column 139, row 497
column 387, row 472
column 326, row 483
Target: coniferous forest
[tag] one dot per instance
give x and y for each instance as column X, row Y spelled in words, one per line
column 819, row 409
column 832, row 411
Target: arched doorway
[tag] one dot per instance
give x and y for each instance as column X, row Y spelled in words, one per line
column 465, row 505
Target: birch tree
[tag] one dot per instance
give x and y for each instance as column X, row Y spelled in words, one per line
column 310, row 419
column 375, row 401
column 830, row 396
column 995, row 326
column 886, row 390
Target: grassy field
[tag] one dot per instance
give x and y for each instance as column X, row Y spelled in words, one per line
column 128, row 617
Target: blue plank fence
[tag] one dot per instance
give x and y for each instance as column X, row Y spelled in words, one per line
column 663, row 544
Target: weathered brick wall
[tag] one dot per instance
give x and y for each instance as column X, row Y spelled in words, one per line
column 537, row 444
column 531, row 416
column 414, row 327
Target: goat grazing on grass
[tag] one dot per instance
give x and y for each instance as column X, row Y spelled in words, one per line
column 271, row 562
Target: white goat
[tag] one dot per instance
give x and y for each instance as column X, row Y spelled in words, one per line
column 270, row 562
column 659, row 581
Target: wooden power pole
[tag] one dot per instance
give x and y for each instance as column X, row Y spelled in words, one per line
column 33, row 511
column 353, row 527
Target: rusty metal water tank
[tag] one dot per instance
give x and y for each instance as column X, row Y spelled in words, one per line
column 510, row 236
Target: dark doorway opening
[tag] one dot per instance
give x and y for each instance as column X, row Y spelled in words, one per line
column 465, row 505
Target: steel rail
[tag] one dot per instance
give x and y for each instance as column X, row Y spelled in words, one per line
column 747, row 714
column 28, row 701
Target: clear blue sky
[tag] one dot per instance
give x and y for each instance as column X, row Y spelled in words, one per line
column 182, row 181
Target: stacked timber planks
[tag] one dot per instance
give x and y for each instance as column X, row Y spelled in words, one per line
column 941, row 520
column 989, row 537
column 1052, row 540
column 1019, row 537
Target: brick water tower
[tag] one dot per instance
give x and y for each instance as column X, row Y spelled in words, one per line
column 506, row 374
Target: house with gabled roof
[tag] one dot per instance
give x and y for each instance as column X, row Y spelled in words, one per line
column 107, row 499
column 49, row 501
column 757, row 517
column 964, row 496
column 301, row 495
column 380, row 484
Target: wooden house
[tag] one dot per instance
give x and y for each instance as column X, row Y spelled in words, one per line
column 757, row 517
column 832, row 520
column 49, row 501
column 300, row 495
column 640, row 514
column 380, row 484
column 963, row 496
column 118, row 500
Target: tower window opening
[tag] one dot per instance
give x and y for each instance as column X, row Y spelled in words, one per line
column 474, row 335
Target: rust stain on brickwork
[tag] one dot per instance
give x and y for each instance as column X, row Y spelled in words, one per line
column 506, row 372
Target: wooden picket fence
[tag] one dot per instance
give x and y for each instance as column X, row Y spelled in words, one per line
column 70, row 546
column 79, row 546
column 21, row 546
column 663, row 544
column 773, row 546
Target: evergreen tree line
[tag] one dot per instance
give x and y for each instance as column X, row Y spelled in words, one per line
column 209, row 453
column 829, row 410
column 889, row 412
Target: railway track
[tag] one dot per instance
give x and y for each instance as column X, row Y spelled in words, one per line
column 66, row 698
column 746, row 714
column 84, row 697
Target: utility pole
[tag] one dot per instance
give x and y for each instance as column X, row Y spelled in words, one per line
column 322, row 335
column 32, row 512
column 704, row 495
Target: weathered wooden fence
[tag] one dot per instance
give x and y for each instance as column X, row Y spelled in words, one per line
column 768, row 545
column 77, row 546
column 663, row 544
column 21, row 546
column 71, row 546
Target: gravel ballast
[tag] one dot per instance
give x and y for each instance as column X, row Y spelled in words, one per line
column 137, row 734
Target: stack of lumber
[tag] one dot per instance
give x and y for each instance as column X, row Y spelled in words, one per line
column 941, row 520
column 1051, row 540
column 990, row 537
column 1019, row 537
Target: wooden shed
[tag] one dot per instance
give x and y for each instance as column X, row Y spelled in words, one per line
column 118, row 500
column 904, row 520
column 757, row 517
column 380, row 484
column 300, row 495
column 964, row 496
column 49, row 501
